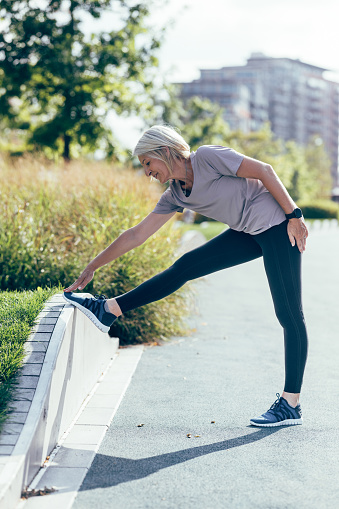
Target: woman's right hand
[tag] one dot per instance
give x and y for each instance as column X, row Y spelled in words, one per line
column 85, row 277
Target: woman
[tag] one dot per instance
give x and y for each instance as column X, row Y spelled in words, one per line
column 244, row 193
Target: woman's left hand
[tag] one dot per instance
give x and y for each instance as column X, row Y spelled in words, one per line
column 297, row 233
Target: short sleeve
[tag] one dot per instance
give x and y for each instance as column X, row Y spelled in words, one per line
column 224, row 160
column 166, row 204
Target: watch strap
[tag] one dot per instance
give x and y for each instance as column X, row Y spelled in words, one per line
column 296, row 213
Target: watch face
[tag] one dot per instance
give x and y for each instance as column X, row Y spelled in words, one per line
column 298, row 213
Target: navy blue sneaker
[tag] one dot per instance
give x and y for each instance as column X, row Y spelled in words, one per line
column 93, row 307
column 280, row 414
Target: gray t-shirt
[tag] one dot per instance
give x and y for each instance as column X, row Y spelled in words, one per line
column 244, row 204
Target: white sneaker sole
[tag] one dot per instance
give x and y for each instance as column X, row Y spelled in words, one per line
column 89, row 315
column 287, row 422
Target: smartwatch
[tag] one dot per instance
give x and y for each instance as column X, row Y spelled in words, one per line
column 296, row 213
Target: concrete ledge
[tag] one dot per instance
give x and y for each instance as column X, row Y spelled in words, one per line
column 65, row 356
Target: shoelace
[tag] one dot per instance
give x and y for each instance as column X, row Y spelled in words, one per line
column 280, row 410
column 277, row 402
column 100, row 297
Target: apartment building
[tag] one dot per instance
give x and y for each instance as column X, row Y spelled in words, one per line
column 292, row 95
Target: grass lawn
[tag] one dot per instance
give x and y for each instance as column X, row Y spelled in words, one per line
column 18, row 313
column 208, row 228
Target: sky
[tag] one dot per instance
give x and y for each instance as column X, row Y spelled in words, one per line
column 216, row 33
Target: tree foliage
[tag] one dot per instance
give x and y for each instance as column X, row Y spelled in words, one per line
column 199, row 120
column 59, row 85
column 305, row 171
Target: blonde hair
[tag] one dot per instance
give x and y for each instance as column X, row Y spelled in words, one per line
column 156, row 139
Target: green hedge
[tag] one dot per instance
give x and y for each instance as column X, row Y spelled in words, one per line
column 53, row 221
column 320, row 209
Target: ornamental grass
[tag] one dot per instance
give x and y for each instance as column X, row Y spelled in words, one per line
column 55, row 218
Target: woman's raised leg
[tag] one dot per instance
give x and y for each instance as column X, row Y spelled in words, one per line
column 228, row 249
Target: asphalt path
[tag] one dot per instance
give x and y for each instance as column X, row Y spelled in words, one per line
column 209, row 385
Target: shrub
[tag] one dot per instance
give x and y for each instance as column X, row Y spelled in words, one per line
column 320, row 209
column 54, row 220
column 199, row 218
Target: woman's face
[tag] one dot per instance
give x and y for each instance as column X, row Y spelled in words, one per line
column 155, row 168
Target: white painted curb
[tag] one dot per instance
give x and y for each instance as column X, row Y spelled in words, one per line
column 76, row 355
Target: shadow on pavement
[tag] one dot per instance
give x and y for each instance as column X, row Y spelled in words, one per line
column 112, row 470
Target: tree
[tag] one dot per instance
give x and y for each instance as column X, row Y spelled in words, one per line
column 199, row 120
column 319, row 169
column 59, row 85
column 305, row 171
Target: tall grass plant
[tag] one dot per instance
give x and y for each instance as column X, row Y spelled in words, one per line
column 55, row 219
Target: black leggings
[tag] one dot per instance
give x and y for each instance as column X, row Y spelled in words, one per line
column 283, row 268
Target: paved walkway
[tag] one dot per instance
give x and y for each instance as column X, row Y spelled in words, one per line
column 209, row 385
column 180, row 437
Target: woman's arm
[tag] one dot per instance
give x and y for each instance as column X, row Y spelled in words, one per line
column 128, row 240
column 251, row 168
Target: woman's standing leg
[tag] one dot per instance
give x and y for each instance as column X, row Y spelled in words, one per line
column 283, row 268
